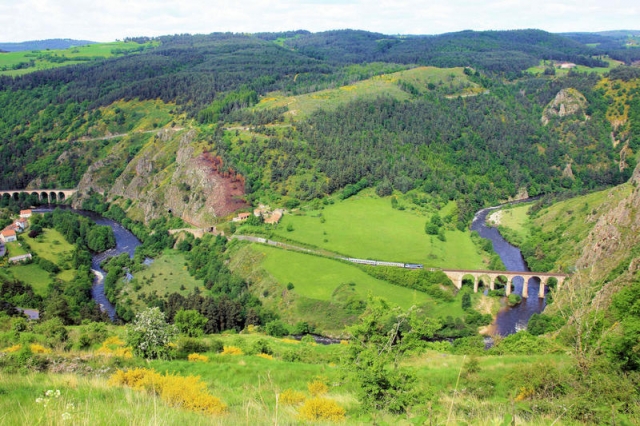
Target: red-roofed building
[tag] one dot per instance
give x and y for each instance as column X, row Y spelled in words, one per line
column 25, row 213
column 8, row 235
column 241, row 217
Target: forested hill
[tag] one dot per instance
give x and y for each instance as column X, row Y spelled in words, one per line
column 475, row 133
column 56, row 43
column 499, row 51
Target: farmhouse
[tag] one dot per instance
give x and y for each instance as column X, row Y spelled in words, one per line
column 567, row 65
column 25, row 214
column 20, row 258
column 22, row 223
column 8, row 235
column 275, row 217
column 241, row 217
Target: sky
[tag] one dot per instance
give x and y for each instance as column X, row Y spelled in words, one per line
column 109, row 20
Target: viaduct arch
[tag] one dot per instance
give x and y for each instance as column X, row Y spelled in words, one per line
column 50, row 195
column 457, row 275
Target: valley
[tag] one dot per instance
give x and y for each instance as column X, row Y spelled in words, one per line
column 222, row 182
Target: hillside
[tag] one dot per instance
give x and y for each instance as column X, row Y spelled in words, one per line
column 53, row 44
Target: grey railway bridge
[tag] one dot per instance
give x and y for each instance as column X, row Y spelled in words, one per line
column 42, row 194
column 489, row 278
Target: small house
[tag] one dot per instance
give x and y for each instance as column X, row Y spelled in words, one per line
column 22, row 224
column 241, row 217
column 25, row 214
column 8, row 235
column 275, row 217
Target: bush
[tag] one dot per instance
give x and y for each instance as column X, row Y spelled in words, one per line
column 291, row 397
column 261, row 346
column 189, row 345
column 276, row 328
column 149, row 334
column 319, row 409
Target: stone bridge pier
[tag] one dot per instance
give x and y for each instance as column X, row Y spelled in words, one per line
column 490, row 277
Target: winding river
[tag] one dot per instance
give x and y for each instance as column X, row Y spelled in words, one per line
column 510, row 320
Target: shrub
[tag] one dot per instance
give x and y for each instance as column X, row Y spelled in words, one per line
column 232, row 350
column 190, row 322
column 114, row 346
column 189, row 345
column 265, row 356
column 319, row 409
column 318, row 387
column 291, row 397
column 195, row 357
column 177, row 391
column 149, row 334
column 39, row 349
column 261, row 346
column 276, row 328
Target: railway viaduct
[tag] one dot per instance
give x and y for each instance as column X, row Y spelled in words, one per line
column 42, row 194
column 490, row 277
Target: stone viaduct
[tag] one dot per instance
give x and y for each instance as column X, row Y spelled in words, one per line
column 42, row 194
column 489, row 277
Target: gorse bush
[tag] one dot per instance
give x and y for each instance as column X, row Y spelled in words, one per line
column 318, row 387
column 187, row 392
column 114, row 346
column 197, row 358
column 232, row 350
column 291, row 397
column 321, row 409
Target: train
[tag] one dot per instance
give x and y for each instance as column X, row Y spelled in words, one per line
column 380, row 263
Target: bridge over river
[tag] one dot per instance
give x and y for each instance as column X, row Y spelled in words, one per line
column 490, row 277
column 49, row 195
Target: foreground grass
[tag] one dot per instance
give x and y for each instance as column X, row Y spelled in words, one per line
column 365, row 226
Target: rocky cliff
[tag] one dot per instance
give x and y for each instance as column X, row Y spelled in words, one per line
column 172, row 172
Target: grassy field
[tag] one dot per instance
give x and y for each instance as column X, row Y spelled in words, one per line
column 319, row 278
column 167, row 274
column 516, row 219
column 250, row 386
column 34, row 275
column 384, row 85
column 18, row 63
column 365, row 226
column 539, row 69
column 50, row 245
column 15, row 248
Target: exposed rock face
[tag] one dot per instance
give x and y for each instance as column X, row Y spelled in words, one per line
column 566, row 103
column 169, row 175
column 615, row 232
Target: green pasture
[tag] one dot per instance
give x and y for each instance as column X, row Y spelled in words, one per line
column 15, row 248
column 302, row 106
column 37, row 60
column 50, row 245
column 166, row 274
column 318, row 277
column 366, row 227
column 34, row 275
column 539, row 69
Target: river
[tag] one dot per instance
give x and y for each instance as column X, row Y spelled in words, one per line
column 510, row 320
column 126, row 242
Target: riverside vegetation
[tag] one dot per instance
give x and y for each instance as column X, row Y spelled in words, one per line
column 376, row 147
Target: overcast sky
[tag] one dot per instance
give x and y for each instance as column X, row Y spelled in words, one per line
column 108, row 20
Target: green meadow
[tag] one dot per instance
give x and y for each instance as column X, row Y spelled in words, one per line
column 34, row 275
column 318, row 277
column 539, row 69
column 302, row 106
column 19, row 63
column 50, row 245
column 167, row 274
column 367, row 227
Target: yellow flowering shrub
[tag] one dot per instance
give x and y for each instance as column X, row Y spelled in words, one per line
column 114, row 346
column 195, row 357
column 326, row 409
column 39, row 349
column 525, row 393
column 251, row 329
column 291, row 397
column 318, row 387
column 187, row 392
column 265, row 356
column 292, row 341
column 231, row 350
column 344, row 342
column 11, row 349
